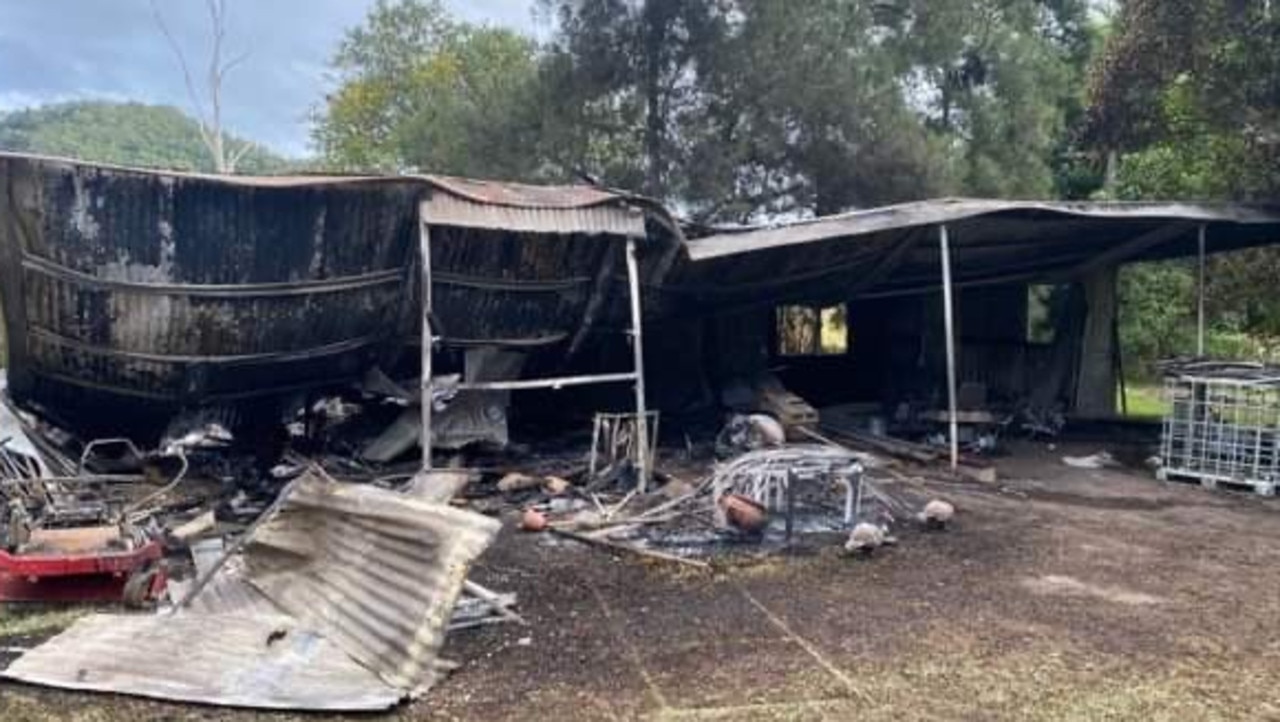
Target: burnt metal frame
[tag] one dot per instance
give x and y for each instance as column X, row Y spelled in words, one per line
column 643, row 463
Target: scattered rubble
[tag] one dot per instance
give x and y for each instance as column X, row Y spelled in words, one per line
column 265, row 549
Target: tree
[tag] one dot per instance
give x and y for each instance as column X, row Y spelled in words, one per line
column 1186, row 98
column 623, row 78
column 419, row 90
column 743, row 108
column 998, row 78
column 208, row 105
column 1188, row 93
column 132, row 134
column 807, row 113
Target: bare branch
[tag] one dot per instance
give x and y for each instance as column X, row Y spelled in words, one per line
column 231, row 64
column 208, row 105
column 239, row 155
column 182, row 61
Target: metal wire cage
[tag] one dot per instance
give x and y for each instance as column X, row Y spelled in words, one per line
column 1222, row 425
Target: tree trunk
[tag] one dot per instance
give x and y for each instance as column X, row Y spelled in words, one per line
column 654, row 35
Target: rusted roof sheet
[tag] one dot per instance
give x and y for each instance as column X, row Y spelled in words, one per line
column 523, row 195
column 371, row 572
column 532, row 209
column 949, row 210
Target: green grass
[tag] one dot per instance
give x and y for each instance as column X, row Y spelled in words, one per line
column 1144, row 400
column 22, row 621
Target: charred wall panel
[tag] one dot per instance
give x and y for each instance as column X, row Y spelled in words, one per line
column 126, row 285
column 521, row 288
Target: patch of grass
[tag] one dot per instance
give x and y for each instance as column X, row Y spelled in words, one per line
column 17, row 621
column 1144, row 400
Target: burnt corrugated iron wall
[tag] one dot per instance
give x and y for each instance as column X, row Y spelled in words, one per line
column 181, row 288
column 510, row 288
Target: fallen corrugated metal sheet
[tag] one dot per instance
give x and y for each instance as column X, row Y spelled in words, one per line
column 268, row 662
column 376, row 571
column 371, row 572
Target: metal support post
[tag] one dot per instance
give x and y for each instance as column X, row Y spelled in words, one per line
column 948, row 309
column 1200, row 280
column 428, row 344
column 637, row 348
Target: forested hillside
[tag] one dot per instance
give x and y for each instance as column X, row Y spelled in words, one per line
column 135, row 134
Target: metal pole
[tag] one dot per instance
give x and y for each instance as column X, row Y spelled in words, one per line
column 948, row 308
column 428, row 344
column 637, row 348
column 1200, row 297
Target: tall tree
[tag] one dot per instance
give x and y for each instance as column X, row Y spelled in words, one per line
column 1187, row 98
column 420, row 90
column 622, row 79
column 998, row 78
column 807, row 114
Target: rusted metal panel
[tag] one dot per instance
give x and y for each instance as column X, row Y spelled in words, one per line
column 615, row 218
column 366, row 579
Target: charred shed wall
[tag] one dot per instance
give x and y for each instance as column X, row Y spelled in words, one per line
column 161, row 290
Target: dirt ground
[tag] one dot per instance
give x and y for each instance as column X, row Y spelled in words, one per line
column 1060, row 594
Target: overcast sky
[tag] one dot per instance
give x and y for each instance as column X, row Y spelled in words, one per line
column 53, row 50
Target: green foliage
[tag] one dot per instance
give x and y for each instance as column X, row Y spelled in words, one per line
column 1004, row 79
column 421, row 91
column 743, row 108
column 132, row 134
column 734, row 109
column 1157, row 314
column 1188, row 93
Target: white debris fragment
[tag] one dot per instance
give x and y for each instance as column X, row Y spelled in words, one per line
column 1100, row 460
column 937, row 514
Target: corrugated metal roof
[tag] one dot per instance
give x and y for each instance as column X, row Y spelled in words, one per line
column 524, row 195
column 949, row 210
column 370, row 572
column 608, row 215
